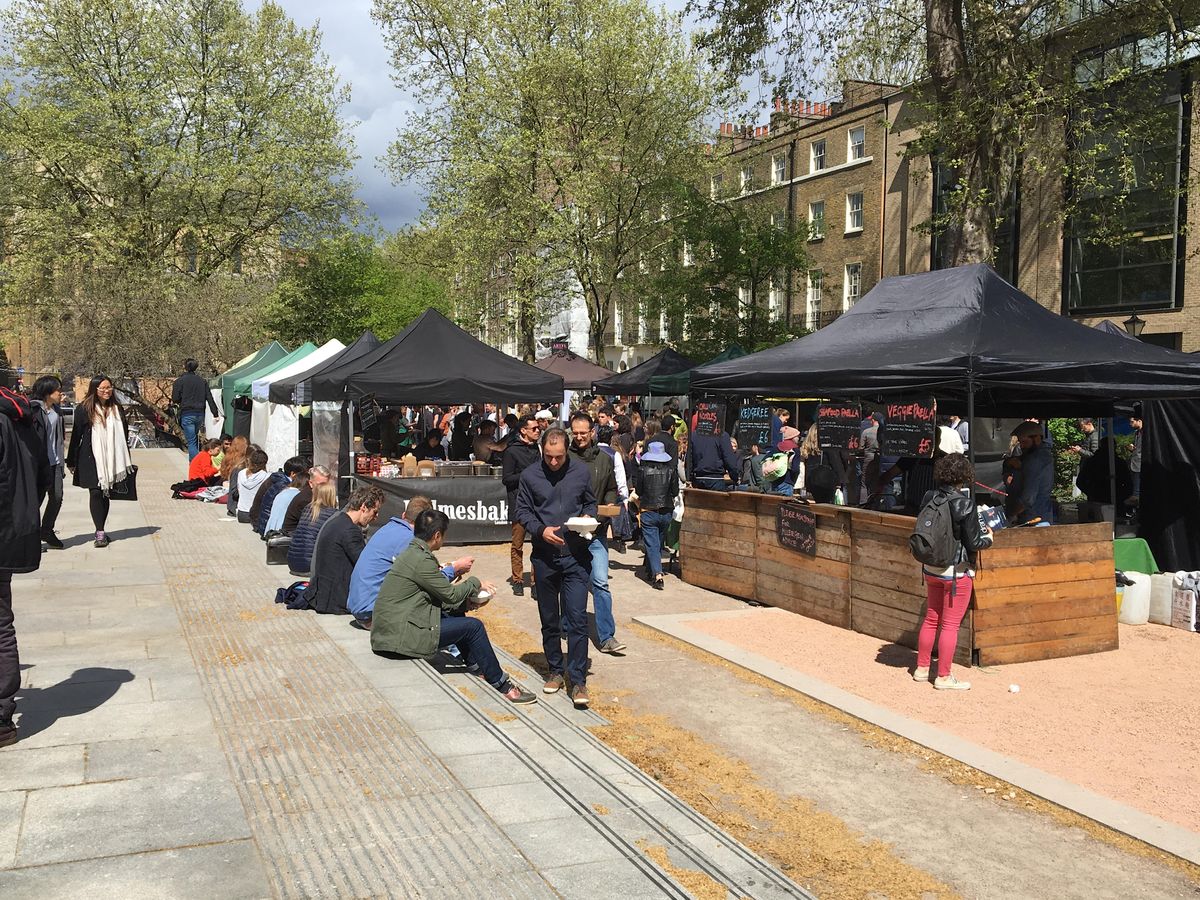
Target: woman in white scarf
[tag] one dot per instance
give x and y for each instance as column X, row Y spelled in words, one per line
column 99, row 453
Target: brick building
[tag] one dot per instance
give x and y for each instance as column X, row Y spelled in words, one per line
column 840, row 167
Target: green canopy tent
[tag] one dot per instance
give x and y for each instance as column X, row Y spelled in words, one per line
column 679, row 383
column 272, row 352
column 240, row 386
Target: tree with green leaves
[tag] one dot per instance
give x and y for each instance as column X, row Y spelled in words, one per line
column 559, row 128
column 350, row 283
column 1000, row 92
column 141, row 140
column 714, row 283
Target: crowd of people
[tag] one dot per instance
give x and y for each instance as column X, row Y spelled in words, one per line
column 613, row 462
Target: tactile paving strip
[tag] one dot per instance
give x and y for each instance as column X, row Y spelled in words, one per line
column 342, row 798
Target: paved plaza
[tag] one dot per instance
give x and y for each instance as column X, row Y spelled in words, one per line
column 183, row 736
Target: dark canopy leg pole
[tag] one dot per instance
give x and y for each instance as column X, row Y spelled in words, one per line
column 1112, row 470
column 971, row 425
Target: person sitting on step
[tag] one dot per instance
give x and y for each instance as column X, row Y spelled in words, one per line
column 411, row 618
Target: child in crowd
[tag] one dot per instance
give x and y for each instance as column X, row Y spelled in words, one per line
column 203, row 467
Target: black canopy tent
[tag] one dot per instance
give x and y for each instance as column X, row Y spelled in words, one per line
column 637, row 380
column 577, row 373
column 435, row 361
column 972, row 340
column 283, row 391
column 1108, row 327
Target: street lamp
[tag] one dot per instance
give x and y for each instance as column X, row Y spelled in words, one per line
column 1134, row 325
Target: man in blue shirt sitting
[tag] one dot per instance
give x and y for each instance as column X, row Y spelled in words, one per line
column 377, row 557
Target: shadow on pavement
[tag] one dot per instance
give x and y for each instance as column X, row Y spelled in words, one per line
column 86, row 690
column 121, row 534
column 896, row 656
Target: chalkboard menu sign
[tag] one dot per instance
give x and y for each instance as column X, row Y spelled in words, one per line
column 754, row 426
column 910, row 429
column 709, row 416
column 368, row 411
column 839, row 425
column 796, row 526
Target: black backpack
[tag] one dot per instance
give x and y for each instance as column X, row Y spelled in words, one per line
column 932, row 541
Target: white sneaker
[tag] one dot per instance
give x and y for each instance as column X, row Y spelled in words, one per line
column 920, row 674
column 950, row 683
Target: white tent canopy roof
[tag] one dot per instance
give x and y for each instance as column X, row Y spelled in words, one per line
column 258, row 390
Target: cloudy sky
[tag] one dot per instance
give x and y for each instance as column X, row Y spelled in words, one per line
column 356, row 49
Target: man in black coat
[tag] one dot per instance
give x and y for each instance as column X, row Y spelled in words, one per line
column 24, row 471
column 549, row 494
column 339, row 545
column 519, row 455
column 190, row 394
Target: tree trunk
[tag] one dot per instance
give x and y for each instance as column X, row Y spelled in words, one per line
column 597, row 319
column 526, row 345
column 973, row 239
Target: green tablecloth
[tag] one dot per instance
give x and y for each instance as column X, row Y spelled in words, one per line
column 1133, row 555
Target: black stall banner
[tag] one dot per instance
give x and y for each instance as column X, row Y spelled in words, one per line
column 754, row 426
column 796, row 527
column 710, row 417
column 839, row 425
column 476, row 505
column 910, row 429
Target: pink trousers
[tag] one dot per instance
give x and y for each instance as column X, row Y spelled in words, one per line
column 944, row 611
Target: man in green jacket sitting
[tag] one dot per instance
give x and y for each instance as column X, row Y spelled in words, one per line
column 414, row 611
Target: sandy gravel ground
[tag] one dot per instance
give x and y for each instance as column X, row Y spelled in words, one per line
column 1125, row 724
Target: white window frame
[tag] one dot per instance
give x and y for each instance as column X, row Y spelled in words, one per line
column 746, row 179
column 814, row 235
column 715, row 184
column 743, row 297
column 776, row 300
column 814, row 157
column 851, row 211
column 689, row 257
column 812, row 300
column 851, row 278
column 779, row 169
column 856, row 149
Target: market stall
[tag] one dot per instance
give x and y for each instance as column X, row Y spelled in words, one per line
column 432, row 361
column 262, row 408
column 636, row 381
column 290, row 400
column 476, row 501
column 237, row 390
column 577, row 373
column 680, row 383
column 963, row 341
column 272, row 352
column 1039, row 592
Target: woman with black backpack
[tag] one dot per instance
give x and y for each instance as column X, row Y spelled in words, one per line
column 949, row 509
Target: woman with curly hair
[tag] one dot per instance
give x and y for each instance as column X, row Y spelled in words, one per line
column 948, row 590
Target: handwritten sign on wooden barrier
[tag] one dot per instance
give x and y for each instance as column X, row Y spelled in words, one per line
column 796, row 526
column 910, row 429
column 839, row 425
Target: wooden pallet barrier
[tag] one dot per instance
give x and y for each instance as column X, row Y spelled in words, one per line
column 1039, row 592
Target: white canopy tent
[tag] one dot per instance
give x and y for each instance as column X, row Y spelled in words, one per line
column 275, row 426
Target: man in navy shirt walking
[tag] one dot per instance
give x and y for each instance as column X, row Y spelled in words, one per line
column 549, row 493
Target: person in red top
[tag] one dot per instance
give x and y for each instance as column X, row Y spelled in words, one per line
column 201, row 466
